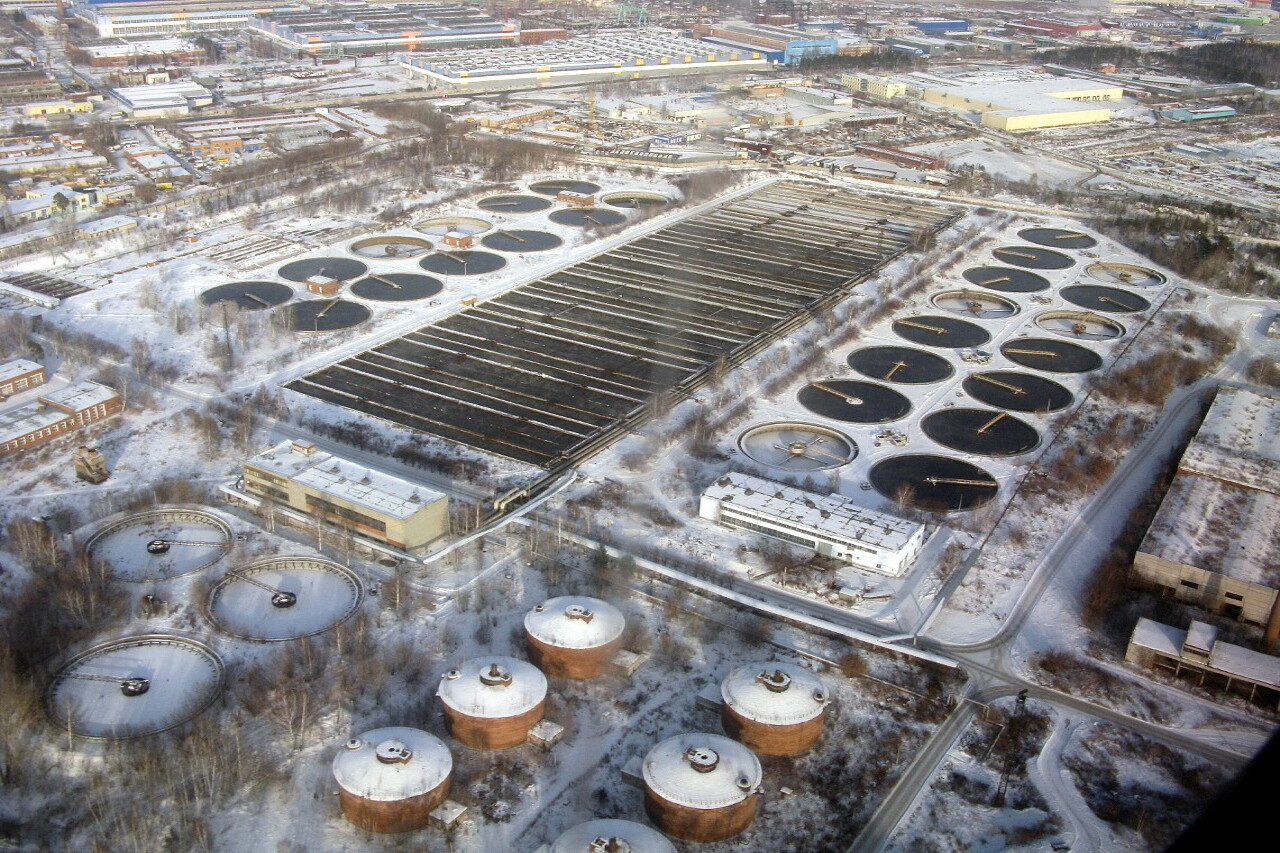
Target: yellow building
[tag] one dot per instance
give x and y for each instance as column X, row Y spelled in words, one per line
column 1024, row 101
column 371, row 504
column 882, row 89
column 57, row 108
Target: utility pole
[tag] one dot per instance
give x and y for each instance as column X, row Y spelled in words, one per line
column 1019, row 709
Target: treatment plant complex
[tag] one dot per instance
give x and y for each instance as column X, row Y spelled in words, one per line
column 642, row 427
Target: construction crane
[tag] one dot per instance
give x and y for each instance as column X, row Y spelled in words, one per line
column 631, row 15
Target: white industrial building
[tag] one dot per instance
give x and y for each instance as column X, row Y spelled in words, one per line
column 832, row 525
column 165, row 100
column 605, row 57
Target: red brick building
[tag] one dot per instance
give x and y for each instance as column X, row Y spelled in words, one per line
column 19, row 375
column 55, row 414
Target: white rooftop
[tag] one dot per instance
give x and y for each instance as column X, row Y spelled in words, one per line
column 1200, row 522
column 367, row 487
column 1159, row 637
column 493, row 687
column 80, row 396
column 1239, row 441
column 775, row 694
column 702, row 771
column 1228, row 658
column 18, row 367
column 640, row 838
column 575, row 622
column 833, row 515
column 392, row 764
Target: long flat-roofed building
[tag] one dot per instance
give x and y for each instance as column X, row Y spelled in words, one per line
column 1212, row 543
column 138, row 18
column 55, row 414
column 376, row 29
column 1199, row 651
column 376, row 505
column 1020, row 100
column 586, row 59
column 831, row 525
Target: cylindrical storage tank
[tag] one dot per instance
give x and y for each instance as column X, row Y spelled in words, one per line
column 389, row 780
column 573, row 636
column 492, row 702
column 612, row 836
column 701, row 787
column 774, row 708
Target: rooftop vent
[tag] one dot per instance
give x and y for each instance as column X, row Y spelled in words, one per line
column 775, row 682
column 393, row 752
column 496, row 676
column 701, row 758
column 577, row 611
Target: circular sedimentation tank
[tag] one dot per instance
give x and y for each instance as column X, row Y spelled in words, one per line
column 933, row 483
column 906, row 365
column 391, row 247
column 1032, row 257
column 573, row 636
column 791, row 446
column 854, row 401
column 586, row 217
column 774, row 708
column 632, row 199
column 975, row 303
column 556, row 186
column 249, row 295
column 396, row 287
column 520, row 240
column 438, row 226
column 1018, row 392
column 936, row 331
column 980, row 431
column 1097, row 297
column 135, row 686
column 1129, row 275
column 159, row 544
column 608, row 835
column 513, row 203
column 390, row 779
column 701, row 787
column 1006, row 279
column 1058, row 238
column 1051, row 355
column 328, row 315
column 284, row 598
column 462, row 263
column 1081, row 325
column 342, row 269
column 492, row 702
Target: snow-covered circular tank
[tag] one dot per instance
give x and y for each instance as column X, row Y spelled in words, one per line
column 135, row 686
column 283, row 598
column 609, row 835
column 390, row 779
column 573, row 636
column 774, row 708
column 492, row 702
column 159, row 544
column 701, row 787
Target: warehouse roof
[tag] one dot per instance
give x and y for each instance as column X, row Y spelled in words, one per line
column 833, row 515
column 342, row 478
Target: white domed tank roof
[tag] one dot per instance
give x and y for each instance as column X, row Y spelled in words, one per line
column 493, row 687
column 394, row 763
column 775, row 694
column 575, row 622
column 702, row 771
column 612, row 836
